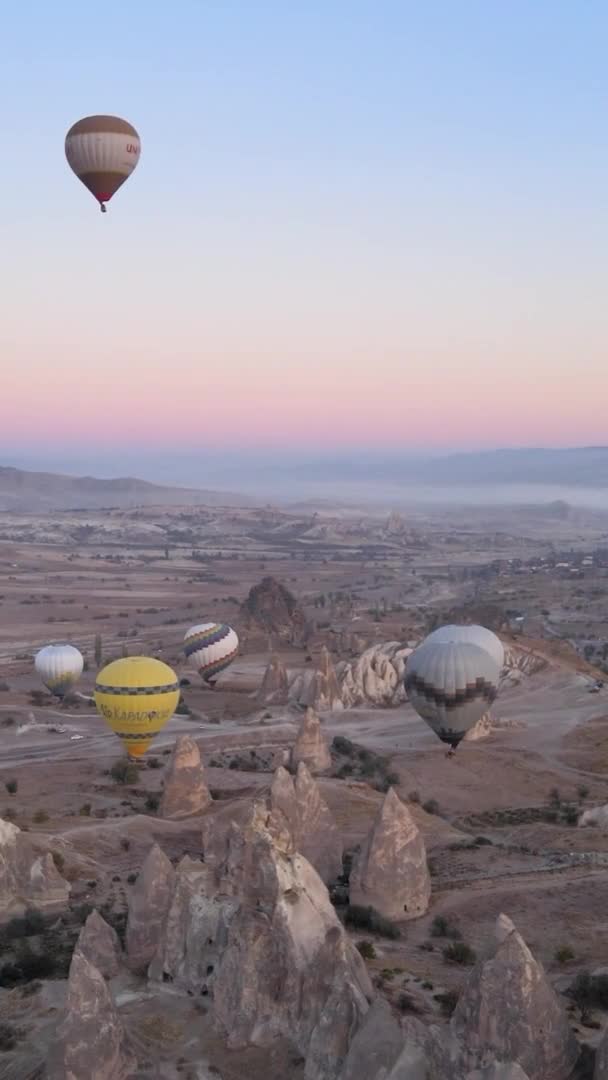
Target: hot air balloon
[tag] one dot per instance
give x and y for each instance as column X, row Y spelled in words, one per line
column 210, row 648
column 59, row 667
column 103, row 151
column 451, row 685
column 136, row 695
column 475, row 635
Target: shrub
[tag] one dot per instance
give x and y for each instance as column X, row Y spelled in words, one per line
column 152, row 803
column 367, row 950
column 8, row 721
column 40, row 817
column 85, row 810
column 132, row 878
column 443, row 928
column 182, row 708
column 154, row 763
column 431, row 806
column 555, row 798
column 125, row 843
column 406, row 1003
column 12, row 787
column 570, row 814
column 414, row 797
column 439, row 926
column 345, row 770
column 563, row 954
column 4, row 687
column 582, row 791
column 343, row 745
column 448, row 1001
column 459, row 953
column 124, row 772
column 367, row 918
column 9, row 1036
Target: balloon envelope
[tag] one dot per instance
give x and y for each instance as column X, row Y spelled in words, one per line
column 210, row 648
column 59, row 667
column 451, row 685
column 103, row 151
column 136, row 696
column 475, row 635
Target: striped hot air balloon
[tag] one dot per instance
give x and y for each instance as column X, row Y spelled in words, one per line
column 136, row 696
column 451, row 685
column 210, row 648
column 59, row 667
column 103, row 151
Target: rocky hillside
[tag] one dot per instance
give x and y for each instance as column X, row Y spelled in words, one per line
column 34, row 491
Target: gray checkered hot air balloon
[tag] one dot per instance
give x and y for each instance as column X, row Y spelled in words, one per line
column 451, row 684
column 475, row 635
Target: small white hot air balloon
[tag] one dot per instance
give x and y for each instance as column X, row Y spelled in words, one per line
column 451, row 685
column 59, row 667
column 475, row 635
column 210, row 648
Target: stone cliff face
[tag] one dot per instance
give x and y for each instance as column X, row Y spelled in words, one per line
column 391, row 872
column 148, row 905
column 99, row 944
column 311, row 747
column 309, row 820
column 319, row 689
column 185, row 793
column 27, row 878
column 508, row 1012
column 272, row 609
column 275, row 684
column 253, row 929
column 92, row 1044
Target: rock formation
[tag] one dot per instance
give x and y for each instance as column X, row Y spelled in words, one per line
column 148, row 905
column 275, row 684
column 597, row 816
column 391, row 872
column 508, row 1012
column 318, row 689
column 195, row 931
column 376, row 1047
column 185, row 792
column 499, row 1071
column 309, row 820
column 480, row 730
column 376, row 677
column 27, row 878
column 601, row 1060
column 92, row 1038
column 100, row 945
column 271, row 608
column 311, row 745
column 253, row 930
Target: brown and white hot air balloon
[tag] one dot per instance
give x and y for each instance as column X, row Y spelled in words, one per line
column 103, row 151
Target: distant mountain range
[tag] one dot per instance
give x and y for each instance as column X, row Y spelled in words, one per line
column 39, row 491
column 515, row 476
column 585, row 466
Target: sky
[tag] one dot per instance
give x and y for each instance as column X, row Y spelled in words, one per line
column 357, row 226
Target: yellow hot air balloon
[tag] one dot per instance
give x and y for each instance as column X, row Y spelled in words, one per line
column 103, row 151
column 136, row 696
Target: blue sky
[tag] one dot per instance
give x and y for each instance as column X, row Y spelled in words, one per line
column 353, row 223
